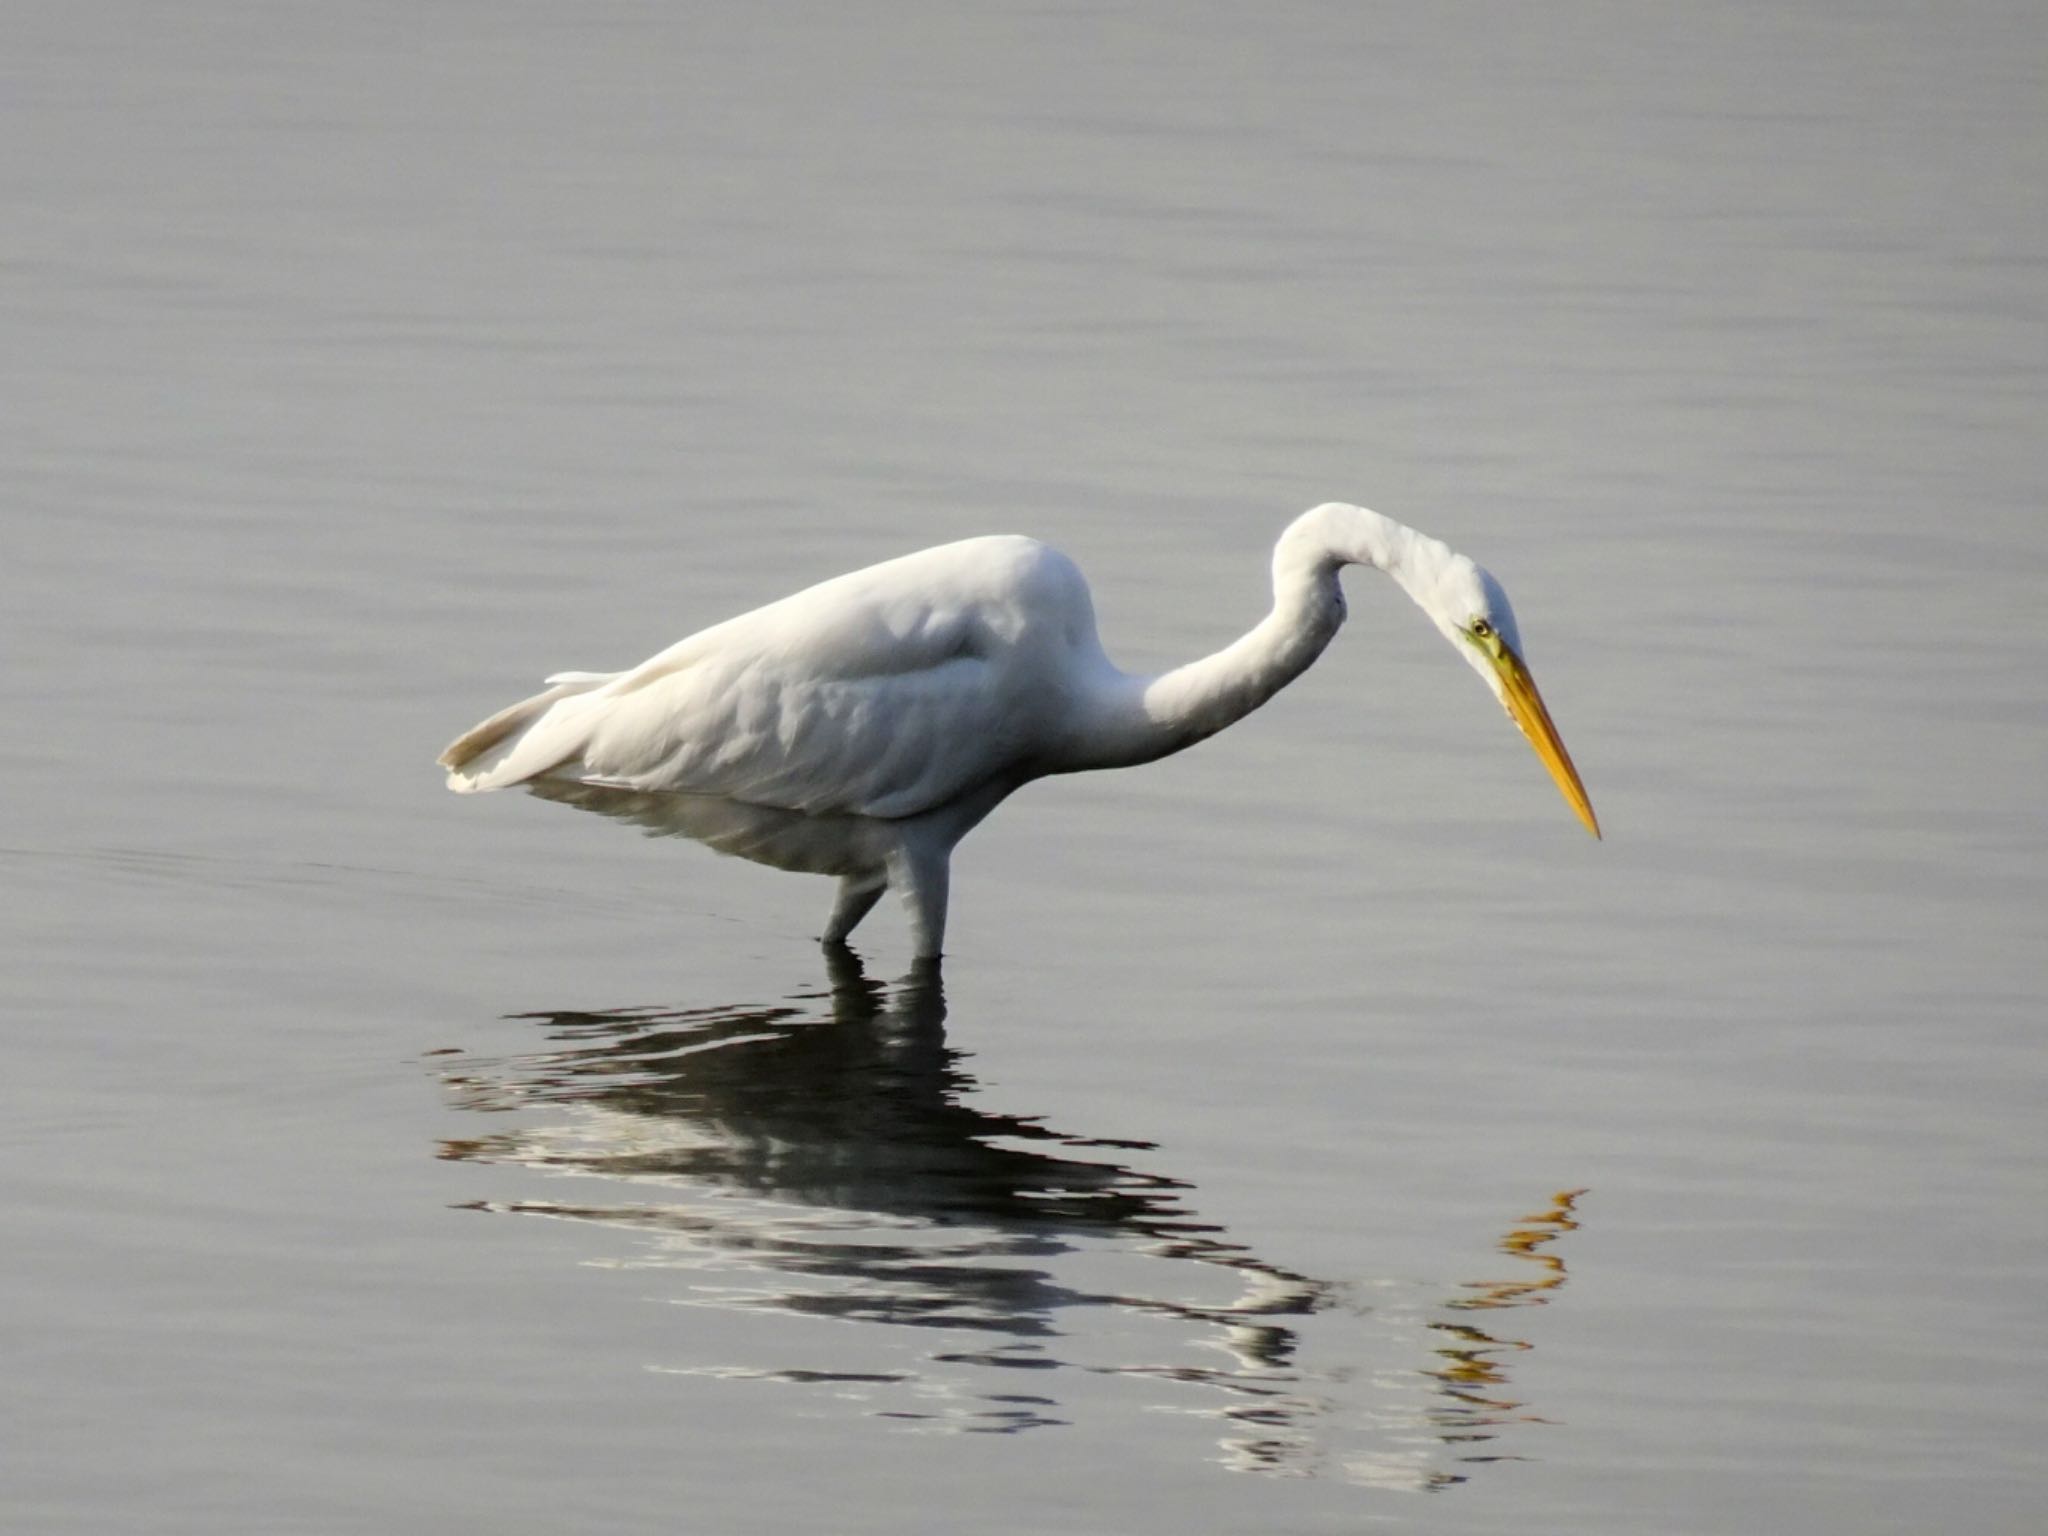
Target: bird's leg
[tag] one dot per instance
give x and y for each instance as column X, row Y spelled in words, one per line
column 857, row 897
column 922, row 875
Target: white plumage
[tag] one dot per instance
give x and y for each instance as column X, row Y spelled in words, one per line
column 861, row 727
column 883, row 692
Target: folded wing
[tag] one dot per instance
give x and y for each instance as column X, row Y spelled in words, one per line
column 882, row 693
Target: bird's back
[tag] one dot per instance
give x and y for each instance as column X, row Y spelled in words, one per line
column 888, row 691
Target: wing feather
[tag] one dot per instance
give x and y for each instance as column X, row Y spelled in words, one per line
column 882, row 693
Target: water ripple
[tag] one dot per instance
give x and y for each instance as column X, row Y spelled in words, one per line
column 822, row 1160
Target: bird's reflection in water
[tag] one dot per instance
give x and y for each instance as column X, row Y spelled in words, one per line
column 823, row 1158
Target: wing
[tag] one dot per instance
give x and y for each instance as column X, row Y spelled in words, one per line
column 882, row 693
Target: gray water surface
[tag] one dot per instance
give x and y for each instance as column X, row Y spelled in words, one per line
column 1311, row 1131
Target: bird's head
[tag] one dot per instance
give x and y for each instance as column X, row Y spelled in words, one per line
column 1473, row 612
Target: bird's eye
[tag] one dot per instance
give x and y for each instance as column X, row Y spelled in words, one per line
column 1481, row 628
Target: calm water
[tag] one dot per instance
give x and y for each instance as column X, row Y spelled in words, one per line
column 1313, row 1131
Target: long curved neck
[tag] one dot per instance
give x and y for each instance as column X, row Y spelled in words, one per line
column 1138, row 719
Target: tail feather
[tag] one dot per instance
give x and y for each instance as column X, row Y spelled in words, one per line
column 488, row 756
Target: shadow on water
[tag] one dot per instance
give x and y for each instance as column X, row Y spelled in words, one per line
column 823, row 1159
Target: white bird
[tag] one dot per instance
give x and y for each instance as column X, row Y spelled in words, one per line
column 862, row 727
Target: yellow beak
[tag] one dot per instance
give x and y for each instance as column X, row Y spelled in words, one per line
column 1525, row 708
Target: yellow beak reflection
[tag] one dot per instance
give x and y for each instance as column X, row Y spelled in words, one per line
column 1525, row 707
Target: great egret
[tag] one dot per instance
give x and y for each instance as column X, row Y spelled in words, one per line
column 862, row 727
